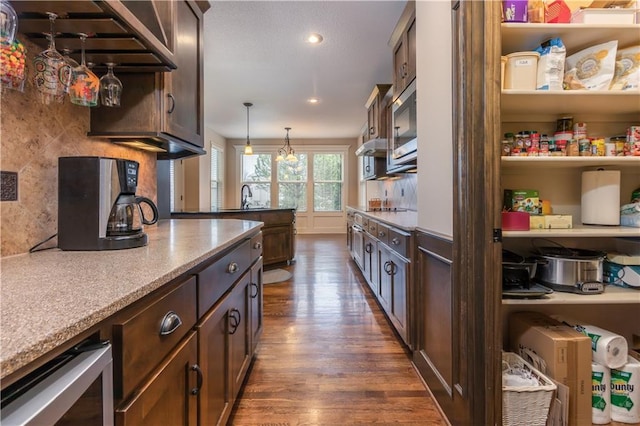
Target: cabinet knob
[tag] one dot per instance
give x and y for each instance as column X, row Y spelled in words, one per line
column 198, row 370
column 372, row 130
column 381, row 234
column 232, row 268
column 173, row 103
column 395, row 241
column 170, row 323
column 257, row 245
column 368, row 168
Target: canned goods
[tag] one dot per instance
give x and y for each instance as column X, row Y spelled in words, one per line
column 580, row 130
column 610, row 149
column 572, row 148
column 597, row 147
column 564, row 124
column 506, row 148
column 584, row 147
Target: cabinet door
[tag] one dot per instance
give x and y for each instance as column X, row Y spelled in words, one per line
column 277, row 244
column 239, row 320
column 371, row 262
column 170, row 396
column 256, row 304
column 399, row 275
column 399, row 67
column 213, row 345
column 411, row 51
column 386, row 279
column 374, row 114
column 183, row 86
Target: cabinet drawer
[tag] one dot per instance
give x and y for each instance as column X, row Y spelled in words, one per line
column 383, row 233
column 217, row 278
column 372, row 229
column 399, row 241
column 256, row 247
column 144, row 339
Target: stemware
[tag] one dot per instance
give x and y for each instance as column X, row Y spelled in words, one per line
column 52, row 73
column 85, row 85
column 110, row 87
column 8, row 23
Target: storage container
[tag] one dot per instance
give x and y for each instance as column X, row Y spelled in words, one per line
column 525, row 405
column 503, row 65
column 515, row 10
column 521, row 71
column 604, row 16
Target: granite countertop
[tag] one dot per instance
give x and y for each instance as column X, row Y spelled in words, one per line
column 49, row 297
column 406, row 220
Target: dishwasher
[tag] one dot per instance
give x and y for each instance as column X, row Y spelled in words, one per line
column 74, row 388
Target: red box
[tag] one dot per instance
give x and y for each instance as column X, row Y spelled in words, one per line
column 515, row 221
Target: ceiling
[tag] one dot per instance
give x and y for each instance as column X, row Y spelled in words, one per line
column 255, row 52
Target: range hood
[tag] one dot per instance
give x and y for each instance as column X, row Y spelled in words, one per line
column 165, row 145
column 374, row 147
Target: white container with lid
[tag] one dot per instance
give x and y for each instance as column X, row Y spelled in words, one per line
column 521, row 71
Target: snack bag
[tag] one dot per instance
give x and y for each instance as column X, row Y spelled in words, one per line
column 592, row 68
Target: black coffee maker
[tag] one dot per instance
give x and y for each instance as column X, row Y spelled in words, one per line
column 97, row 205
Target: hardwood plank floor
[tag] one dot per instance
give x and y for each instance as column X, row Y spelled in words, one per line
column 327, row 354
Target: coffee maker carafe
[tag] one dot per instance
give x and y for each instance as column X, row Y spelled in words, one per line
column 97, row 205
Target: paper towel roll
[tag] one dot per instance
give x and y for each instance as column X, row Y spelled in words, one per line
column 625, row 392
column 600, row 394
column 607, row 348
column 601, row 197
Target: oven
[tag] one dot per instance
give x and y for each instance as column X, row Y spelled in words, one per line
column 75, row 388
column 403, row 145
column 358, row 239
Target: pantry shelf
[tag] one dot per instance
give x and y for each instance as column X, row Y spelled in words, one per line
column 569, row 162
column 522, row 37
column 578, row 231
column 611, row 295
column 544, row 102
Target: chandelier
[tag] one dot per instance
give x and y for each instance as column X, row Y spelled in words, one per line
column 286, row 153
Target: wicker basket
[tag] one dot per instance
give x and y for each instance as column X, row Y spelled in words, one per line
column 526, row 405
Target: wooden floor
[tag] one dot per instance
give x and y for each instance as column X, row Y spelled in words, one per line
column 328, row 355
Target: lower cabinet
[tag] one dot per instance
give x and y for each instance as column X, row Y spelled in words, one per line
column 170, row 396
column 255, row 294
column 225, row 341
column 370, row 263
column 394, row 272
column 278, row 247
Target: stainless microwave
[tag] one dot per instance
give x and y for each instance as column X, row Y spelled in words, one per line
column 403, row 144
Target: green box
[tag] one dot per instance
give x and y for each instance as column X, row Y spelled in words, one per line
column 526, row 200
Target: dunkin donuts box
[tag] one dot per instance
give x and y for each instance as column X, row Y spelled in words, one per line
column 558, row 351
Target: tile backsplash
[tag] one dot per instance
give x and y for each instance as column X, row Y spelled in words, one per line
column 32, row 137
column 401, row 193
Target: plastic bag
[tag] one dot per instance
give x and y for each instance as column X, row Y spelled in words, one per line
column 592, row 68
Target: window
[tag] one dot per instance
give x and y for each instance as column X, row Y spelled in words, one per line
column 292, row 184
column 216, row 179
column 327, row 182
column 256, row 172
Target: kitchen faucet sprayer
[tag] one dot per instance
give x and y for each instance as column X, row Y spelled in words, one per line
column 245, row 203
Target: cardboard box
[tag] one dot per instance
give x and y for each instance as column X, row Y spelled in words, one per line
column 558, row 221
column 604, row 16
column 564, row 355
column 526, row 200
column 536, row 222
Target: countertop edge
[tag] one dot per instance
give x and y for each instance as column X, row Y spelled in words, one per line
column 388, row 217
column 52, row 340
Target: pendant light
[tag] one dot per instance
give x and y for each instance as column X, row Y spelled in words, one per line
column 248, row 150
column 287, row 153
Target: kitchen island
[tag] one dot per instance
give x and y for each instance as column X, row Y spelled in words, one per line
column 278, row 232
column 197, row 269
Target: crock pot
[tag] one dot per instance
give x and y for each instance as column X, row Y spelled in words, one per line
column 570, row 269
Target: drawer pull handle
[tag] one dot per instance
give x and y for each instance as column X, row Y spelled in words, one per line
column 395, row 241
column 198, row 370
column 170, row 323
column 235, row 321
column 254, row 285
column 368, row 248
column 232, row 268
column 257, row 245
column 381, row 234
column 173, row 103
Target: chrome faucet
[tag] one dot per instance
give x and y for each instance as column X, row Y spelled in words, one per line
column 244, row 203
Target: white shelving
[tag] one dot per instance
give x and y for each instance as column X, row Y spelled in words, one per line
column 611, row 295
column 569, row 162
column 575, row 37
column 579, row 231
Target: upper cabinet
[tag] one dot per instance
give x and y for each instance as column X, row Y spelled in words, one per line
column 376, row 117
column 163, row 112
column 137, row 35
column 403, row 40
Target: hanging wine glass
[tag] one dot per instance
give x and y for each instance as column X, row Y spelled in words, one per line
column 85, row 85
column 66, row 54
column 52, row 73
column 8, row 23
column 110, row 87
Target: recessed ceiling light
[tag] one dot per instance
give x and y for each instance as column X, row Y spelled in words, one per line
column 313, row 100
column 314, row 38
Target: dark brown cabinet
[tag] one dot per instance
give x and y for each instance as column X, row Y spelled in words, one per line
column 224, row 352
column 256, row 304
column 170, row 397
column 373, row 167
column 162, row 111
column 404, row 50
column 370, row 262
column 376, row 119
